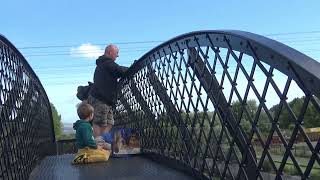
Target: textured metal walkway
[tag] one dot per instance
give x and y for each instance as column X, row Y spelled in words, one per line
column 137, row 167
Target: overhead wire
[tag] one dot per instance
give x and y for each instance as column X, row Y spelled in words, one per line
column 153, row 41
column 99, row 44
column 126, row 50
column 290, row 39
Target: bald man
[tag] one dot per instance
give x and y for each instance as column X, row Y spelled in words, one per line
column 103, row 94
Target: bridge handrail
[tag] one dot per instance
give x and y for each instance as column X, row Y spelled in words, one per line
column 306, row 67
column 154, row 101
column 27, row 133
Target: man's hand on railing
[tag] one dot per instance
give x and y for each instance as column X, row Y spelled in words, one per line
column 134, row 62
column 132, row 68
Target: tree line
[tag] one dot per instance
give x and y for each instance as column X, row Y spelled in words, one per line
column 246, row 113
column 58, row 126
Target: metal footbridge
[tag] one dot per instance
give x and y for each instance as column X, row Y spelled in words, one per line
column 206, row 105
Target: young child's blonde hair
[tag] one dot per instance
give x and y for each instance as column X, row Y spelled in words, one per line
column 84, row 110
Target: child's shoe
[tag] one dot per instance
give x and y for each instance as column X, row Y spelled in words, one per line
column 80, row 159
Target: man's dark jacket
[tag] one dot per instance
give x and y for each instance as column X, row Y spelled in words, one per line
column 105, row 80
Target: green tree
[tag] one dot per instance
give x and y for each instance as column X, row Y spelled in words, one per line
column 237, row 108
column 312, row 116
column 67, row 136
column 286, row 121
column 57, row 124
column 263, row 124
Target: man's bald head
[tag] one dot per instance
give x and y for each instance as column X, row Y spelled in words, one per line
column 112, row 52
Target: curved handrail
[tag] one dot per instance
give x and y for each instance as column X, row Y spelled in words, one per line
column 27, row 133
column 166, row 95
column 30, row 70
column 307, row 67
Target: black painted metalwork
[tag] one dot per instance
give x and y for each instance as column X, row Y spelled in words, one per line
column 66, row 146
column 26, row 126
column 222, row 103
column 133, row 168
column 218, row 104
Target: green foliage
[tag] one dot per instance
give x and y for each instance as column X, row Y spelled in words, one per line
column 290, row 170
column 247, row 112
column 57, row 124
column 66, row 136
column 266, row 166
column 315, row 174
column 251, row 108
column 311, row 117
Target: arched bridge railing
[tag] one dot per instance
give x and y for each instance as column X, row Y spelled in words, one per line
column 226, row 104
column 26, row 126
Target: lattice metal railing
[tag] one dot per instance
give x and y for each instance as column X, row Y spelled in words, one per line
column 227, row 105
column 66, row 146
column 26, row 129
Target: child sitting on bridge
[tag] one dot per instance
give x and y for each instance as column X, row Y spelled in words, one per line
column 88, row 150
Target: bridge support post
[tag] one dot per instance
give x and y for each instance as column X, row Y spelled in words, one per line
column 173, row 114
column 214, row 91
column 144, row 107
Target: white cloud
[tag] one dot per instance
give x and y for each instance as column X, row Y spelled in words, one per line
column 87, row 51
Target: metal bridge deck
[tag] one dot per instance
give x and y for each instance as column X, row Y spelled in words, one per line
column 131, row 168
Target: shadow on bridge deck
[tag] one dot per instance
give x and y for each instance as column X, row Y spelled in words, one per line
column 136, row 167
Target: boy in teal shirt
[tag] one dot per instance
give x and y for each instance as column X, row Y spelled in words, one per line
column 88, row 150
column 84, row 134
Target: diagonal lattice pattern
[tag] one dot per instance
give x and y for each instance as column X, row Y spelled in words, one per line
column 25, row 116
column 229, row 104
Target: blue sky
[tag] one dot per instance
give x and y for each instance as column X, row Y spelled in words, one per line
column 81, row 29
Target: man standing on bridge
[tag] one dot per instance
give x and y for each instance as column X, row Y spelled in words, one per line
column 103, row 94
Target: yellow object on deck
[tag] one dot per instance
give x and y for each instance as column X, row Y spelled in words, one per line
column 88, row 155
